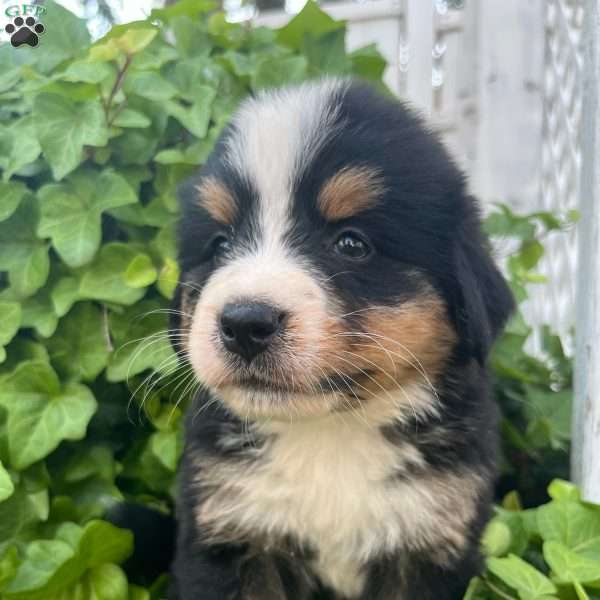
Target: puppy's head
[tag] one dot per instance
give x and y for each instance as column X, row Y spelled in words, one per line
column 330, row 258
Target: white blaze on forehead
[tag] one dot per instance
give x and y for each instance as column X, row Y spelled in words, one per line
column 274, row 135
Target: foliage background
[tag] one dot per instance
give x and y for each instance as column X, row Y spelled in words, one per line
column 94, row 139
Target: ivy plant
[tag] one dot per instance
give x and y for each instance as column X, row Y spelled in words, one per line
column 94, row 139
column 543, row 553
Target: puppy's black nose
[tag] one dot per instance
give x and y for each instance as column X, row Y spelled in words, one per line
column 247, row 329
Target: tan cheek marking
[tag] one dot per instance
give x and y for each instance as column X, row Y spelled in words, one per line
column 349, row 192
column 397, row 345
column 217, row 200
column 418, row 331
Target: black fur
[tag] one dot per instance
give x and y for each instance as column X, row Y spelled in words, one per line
column 426, row 223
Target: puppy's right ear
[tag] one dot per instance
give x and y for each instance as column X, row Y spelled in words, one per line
column 485, row 300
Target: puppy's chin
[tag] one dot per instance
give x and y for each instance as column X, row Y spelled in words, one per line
column 262, row 403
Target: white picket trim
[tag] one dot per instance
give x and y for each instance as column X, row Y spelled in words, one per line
column 586, row 422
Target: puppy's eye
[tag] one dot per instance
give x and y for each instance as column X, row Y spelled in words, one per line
column 220, row 245
column 351, row 245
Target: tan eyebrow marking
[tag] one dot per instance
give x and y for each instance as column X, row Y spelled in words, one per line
column 350, row 191
column 215, row 197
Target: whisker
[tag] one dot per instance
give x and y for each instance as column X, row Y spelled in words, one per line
column 394, row 380
column 419, row 367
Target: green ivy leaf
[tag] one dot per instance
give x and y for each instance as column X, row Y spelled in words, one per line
column 195, row 154
column 66, row 35
column 167, row 447
column 564, row 490
column 168, row 278
column 96, row 461
column 197, row 117
column 530, row 254
column 552, row 410
column 38, row 313
column 153, row 214
column 326, row 53
column 224, row 33
column 23, row 144
column 507, row 534
column 475, row 590
column 53, row 566
column 573, row 524
column 570, row 567
column 6, row 485
column 194, row 78
column 9, row 563
column 134, row 40
column 105, row 280
column 496, row 539
column 149, row 84
column 312, row 20
column 11, row 193
column 9, row 77
column 272, row 72
column 140, row 272
column 138, row 593
column 88, row 72
column 138, row 146
column 132, row 118
column 41, row 413
column 108, row 582
column 19, row 515
column 72, row 212
column 43, row 559
column 505, row 223
column 141, row 464
column 64, row 294
column 79, row 348
column 64, row 127
column 368, row 63
column 155, row 56
column 103, row 543
column 10, row 321
column 22, row 349
column 522, row 577
column 22, row 254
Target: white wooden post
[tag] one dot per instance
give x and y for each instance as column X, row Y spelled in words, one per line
column 586, row 422
column 419, row 35
column 510, row 57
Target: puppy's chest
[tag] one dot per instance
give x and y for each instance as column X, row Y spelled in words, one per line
column 334, row 487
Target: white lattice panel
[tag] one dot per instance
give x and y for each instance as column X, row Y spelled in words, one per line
column 554, row 303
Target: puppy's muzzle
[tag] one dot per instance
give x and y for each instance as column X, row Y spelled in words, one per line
column 249, row 328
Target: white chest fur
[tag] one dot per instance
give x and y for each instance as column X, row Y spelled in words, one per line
column 333, row 484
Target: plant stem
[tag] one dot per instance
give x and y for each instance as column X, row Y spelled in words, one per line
column 116, row 87
column 497, row 590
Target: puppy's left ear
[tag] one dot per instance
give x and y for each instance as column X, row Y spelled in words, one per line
column 485, row 301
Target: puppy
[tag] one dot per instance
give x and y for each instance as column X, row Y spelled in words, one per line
column 337, row 302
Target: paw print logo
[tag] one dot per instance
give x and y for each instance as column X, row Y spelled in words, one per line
column 25, row 31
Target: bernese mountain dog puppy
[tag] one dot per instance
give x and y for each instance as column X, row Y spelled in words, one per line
column 337, row 302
